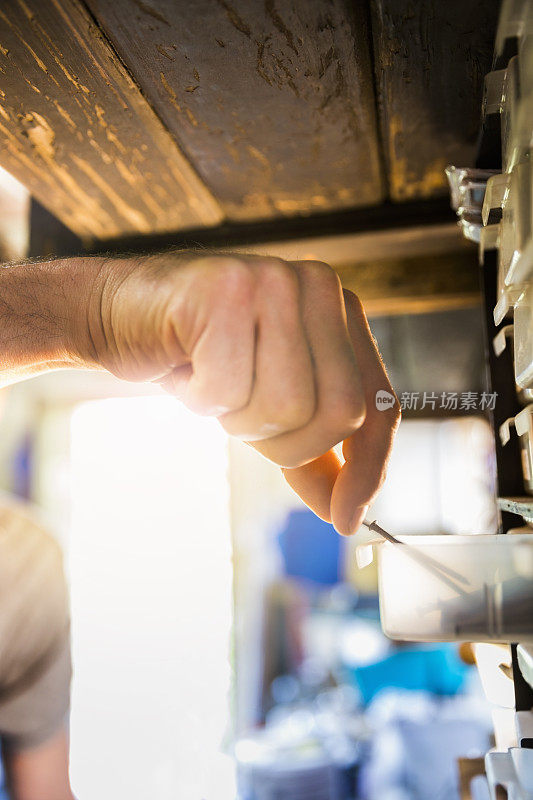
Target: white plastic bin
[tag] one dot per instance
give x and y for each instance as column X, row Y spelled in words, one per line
column 523, row 339
column 515, row 228
column 524, row 428
column 523, row 423
column 510, row 774
column 512, row 140
column 512, row 24
column 457, row 588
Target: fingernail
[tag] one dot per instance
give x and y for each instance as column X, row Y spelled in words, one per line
column 357, row 518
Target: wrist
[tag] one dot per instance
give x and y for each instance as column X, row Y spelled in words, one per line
column 42, row 310
column 92, row 335
column 83, row 280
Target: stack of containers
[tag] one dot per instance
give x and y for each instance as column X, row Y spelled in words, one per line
column 507, row 218
column 509, row 201
column 480, row 588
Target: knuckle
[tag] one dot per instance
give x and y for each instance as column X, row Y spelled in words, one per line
column 279, row 277
column 321, row 272
column 347, row 407
column 228, row 276
column 296, row 411
column 231, row 399
column 291, row 411
column 234, row 278
column 214, row 401
column 323, row 282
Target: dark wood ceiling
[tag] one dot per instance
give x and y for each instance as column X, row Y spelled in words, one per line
column 146, row 116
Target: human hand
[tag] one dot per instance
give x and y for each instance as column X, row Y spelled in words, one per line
column 274, row 349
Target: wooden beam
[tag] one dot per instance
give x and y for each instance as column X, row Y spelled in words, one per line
column 361, row 247
column 430, row 61
column 76, row 130
column 273, row 102
column 416, row 270
column 415, row 285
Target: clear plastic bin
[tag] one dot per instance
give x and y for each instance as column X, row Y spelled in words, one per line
column 467, row 190
column 494, row 198
column 525, row 369
column 523, row 423
column 516, row 117
column 509, row 89
column 457, row 588
column 525, row 49
column 523, row 131
column 523, row 339
column 524, row 428
column 513, row 236
column 507, row 294
column 515, row 228
column 508, row 204
column 512, row 24
column 504, row 93
column 490, row 239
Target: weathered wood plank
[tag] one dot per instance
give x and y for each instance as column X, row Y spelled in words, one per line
column 273, row 102
column 430, row 59
column 75, row 129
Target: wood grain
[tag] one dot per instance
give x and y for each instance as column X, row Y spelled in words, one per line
column 273, row 102
column 75, row 129
column 430, row 60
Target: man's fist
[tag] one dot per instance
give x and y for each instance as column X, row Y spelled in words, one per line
column 274, row 349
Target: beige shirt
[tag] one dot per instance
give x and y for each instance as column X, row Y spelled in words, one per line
column 35, row 666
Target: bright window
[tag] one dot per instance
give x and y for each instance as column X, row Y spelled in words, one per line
column 151, row 582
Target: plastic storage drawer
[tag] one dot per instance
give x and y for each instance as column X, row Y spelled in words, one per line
column 453, row 588
column 523, row 339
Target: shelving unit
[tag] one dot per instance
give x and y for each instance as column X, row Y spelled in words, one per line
column 502, row 223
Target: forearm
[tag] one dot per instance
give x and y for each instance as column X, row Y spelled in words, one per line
column 59, row 314
column 42, row 309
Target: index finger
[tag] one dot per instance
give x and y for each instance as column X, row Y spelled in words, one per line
column 368, row 450
column 341, row 493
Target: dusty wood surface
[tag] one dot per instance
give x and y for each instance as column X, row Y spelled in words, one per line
column 430, row 60
column 273, row 102
column 76, row 131
column 157, row 115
